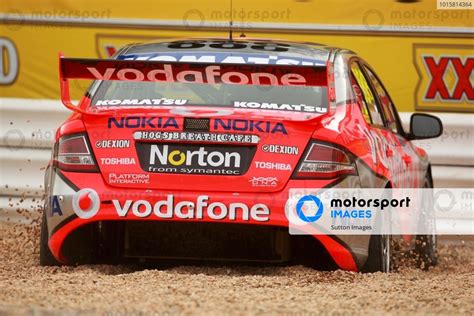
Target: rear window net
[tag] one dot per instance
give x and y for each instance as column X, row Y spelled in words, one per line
column 196, row 124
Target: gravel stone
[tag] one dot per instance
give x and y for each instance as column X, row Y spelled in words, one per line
column 29, row 289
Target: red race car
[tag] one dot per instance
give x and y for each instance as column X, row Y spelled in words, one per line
column 187, row 150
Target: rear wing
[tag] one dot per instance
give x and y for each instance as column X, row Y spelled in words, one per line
column 190, row 72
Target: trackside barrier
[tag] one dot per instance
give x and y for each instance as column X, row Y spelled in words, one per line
column 28, row 126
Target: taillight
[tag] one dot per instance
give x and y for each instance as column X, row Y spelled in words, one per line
column 324, row 161
column 73, row 154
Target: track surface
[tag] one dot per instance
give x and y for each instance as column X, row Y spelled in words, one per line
column 27, row 288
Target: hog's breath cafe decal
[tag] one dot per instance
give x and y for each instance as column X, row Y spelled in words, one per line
column 445, row 77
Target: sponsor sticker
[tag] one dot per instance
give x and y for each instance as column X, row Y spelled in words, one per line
column 138, row 102
column 200, row 208
column 280, row 107
column 223, row 74
column 142, row 122
column 194, row 159
column 272, row 165
column 280, row 149
column 264, row 181
column 56, row 206
column 225, row 58
column 86, row 203
column 196, row 137
column 117, row 161
column 236, row 104
column 129, row 178
column 113, row 143
column 239, row 125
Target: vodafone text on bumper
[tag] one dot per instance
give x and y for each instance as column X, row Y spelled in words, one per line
column 199, row 209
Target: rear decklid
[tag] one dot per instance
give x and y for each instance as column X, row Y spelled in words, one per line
column 198, row 126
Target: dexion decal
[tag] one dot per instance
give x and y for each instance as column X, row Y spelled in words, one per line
column 113, row 143
column 280, row 149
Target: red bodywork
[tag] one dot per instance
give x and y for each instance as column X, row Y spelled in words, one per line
column 387, row 158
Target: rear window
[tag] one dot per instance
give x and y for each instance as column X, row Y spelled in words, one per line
column 309, row 99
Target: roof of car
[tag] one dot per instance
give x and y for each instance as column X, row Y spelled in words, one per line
column 271, row 49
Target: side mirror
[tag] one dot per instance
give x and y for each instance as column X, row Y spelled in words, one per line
column 424, row 126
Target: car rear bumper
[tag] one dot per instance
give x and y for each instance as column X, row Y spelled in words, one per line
column 248, row 209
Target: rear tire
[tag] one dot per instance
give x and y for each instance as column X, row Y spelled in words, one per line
column 46, row 257
column 380, row 248
column 380, row 254
column 426, row 245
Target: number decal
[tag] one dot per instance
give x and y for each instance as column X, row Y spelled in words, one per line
column 270, row 47
column 186, row 45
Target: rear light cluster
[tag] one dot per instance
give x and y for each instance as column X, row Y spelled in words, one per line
column 324, row 161
column 73, row 153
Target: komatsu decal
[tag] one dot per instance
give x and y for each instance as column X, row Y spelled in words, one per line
column 162, row 101
column 280, row 107
column 224, row 58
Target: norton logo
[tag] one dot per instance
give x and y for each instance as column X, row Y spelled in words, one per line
column 309, row 204
column 200, row 157
column 85, row 203
column 194, row 159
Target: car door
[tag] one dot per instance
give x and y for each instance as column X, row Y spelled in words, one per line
column 383, row 142
column 405, row 160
